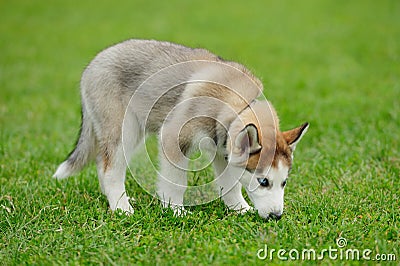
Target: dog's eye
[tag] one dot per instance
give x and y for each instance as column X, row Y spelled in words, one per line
column 263, row 182
column 283, row 184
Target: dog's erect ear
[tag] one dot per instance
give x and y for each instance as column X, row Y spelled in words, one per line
column 293, row 136
column 247, row 140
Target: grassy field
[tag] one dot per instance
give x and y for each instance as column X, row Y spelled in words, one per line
column 335, row 64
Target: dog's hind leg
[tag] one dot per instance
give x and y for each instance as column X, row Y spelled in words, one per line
column 112, row 162
column 112, row 171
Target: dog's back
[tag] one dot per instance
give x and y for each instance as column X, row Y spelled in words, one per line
column 116, row 73
column 157, row 73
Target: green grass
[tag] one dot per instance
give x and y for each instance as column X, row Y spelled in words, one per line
column 335, row 64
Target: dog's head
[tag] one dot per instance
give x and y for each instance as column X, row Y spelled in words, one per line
column 262, row 155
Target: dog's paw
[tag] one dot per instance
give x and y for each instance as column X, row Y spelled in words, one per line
column 243, row 209
column 124, row 207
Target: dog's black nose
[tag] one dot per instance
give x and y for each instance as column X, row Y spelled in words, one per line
column 276, row 216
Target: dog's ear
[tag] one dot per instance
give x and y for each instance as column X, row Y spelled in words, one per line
column 247, row 140
column 293, row 136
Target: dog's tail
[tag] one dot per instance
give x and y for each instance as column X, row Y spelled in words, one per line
column 84, row 152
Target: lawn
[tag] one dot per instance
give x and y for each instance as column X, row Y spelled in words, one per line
column 335, row 64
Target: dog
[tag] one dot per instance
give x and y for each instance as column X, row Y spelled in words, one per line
column 189, row 98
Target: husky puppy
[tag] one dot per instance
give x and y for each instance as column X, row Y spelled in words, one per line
column 190, row 98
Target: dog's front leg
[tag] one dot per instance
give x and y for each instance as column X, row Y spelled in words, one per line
column 229, row 186
column 172, row 181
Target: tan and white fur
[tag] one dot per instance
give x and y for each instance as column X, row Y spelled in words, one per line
column 188, row 97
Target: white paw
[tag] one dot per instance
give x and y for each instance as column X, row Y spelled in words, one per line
column 242, row 209
column 124, row 207
column 245, row 210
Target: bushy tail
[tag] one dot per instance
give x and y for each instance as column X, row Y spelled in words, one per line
column 82, row 154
